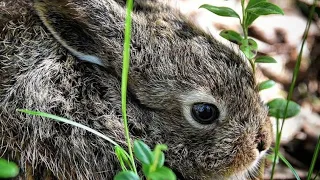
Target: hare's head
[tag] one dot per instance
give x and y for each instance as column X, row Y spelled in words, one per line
column 199, row 96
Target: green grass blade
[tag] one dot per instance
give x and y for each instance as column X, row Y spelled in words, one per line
column 276, row 148
column 124, row 80
column 294, row 78
column 120, row 157
column 314, row 159
column 64, row 120
column 289, row 166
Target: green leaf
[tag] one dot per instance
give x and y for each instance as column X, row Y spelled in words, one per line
column 221, row 11
column 253, row 45
column 160, row 163
column 251, row 15
column 126, row 175
column 253, row 2
column 266, row 84
column 257, row 8
column 146, row 169
column 289, row 166
column 162, row 173
column 123, row 158
column 264, row 8
column 277, row 108
column 8, row 169
column 232, row 36
column 143, row 152
column 250, row 18
column 159, row 155
column 61, row 119
column 249, row 48
column 265, row 59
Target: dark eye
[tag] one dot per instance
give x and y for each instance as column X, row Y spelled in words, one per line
column 205, row 113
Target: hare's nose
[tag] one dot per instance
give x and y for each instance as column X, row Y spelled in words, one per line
column 261, row 146
column 261, row 142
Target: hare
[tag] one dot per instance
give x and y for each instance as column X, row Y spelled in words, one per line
column 185, row 89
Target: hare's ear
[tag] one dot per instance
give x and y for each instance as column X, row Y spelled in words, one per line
column 74, row 24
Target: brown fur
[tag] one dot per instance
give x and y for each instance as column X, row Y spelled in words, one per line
column 41, row 44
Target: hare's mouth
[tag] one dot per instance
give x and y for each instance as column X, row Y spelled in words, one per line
column 253, row 171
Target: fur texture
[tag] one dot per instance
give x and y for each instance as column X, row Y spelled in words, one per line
column 173, row 65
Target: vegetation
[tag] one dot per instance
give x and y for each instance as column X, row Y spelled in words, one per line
column 278, row 108
column 153, row 160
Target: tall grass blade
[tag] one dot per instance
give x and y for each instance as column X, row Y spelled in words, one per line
column 293, row 82
column 289, row 166
column 64, row 120
column 124, row 80
column 314, row 159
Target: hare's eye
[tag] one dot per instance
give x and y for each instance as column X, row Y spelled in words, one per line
column 205, row 113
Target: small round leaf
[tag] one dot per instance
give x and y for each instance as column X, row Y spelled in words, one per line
column 277, row 108
column 253, row 45
column 249, row 48
column 126, row 175
column 143, row 152
column 162, row 173
column 232, row 36
column 265, row 59
column 8, row 169
column 221, row 11
column 266, row 84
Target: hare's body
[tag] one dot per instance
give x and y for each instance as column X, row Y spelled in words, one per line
column 173, row 67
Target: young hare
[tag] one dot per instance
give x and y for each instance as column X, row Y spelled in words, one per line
column 186, row 90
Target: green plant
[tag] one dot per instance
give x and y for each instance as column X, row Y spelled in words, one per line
column 249, row 47
column 288, row 107
column 152, row 161
column 124, row 80
column 8, row 169
column 251, row 12
column 278, row 108
column 314, row 159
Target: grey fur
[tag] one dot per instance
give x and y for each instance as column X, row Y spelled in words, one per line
column 40, row 70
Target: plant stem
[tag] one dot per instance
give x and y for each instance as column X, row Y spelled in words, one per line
column 245, row 33
column 253, row 66
column 293, row 82
column 243, row 23
column 124, row 82
column 314, row 159
column 276, row 149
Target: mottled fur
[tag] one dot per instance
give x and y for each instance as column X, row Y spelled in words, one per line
column 170, row 61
